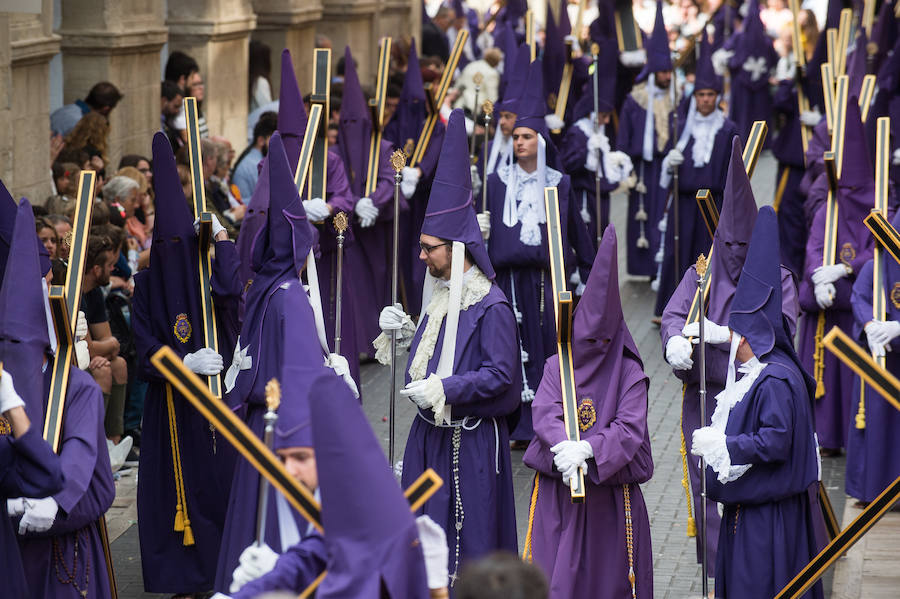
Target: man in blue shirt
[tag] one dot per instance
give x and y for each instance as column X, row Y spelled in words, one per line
column 245, row 172
column 102, row 98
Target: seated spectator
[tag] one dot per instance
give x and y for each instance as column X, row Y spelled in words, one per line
column 224, row 157
column 195, row 88
column 245, row 173
column 139, row 223
column 63, row 225
column 102, row 98
column 121, row 196
column 141, row 164
column 65, row 179
column 48, row 236
column 171, row 101
column 91, row 135
column 217, row 197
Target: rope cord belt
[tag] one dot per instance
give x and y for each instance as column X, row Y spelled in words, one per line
column 182, row 521
column 685, row 480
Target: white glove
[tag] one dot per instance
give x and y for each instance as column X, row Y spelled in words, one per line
column 633, row 58
column 39, row 515
column 554, row 122
column 316, row 210
column 824, row 295
column 434, row 546
column 569, row 454
column 205, row 361
column 15, row 507
column 392, row 318
column 811, row 118
column 341, row 367
column 896, row 158
column 411, row 177
column 82, row 355
column 81, row 326
column 829, row 274
column 476, row 180
column 674, row 158
column 484, row 223
column 713, row 333
column 705, row 439
column 875, row 348
column 720, row 60
column 216, row 226
column 366, row 211
column 678, row 353
column 881, row 332
column 9, row 398
column 426, row 393
column 255, row 561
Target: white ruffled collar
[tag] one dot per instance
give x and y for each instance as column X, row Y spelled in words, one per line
column 733, row 394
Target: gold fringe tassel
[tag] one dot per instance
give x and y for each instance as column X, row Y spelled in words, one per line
column 629, row 539
column 819, row 356
column 182, row 521
column 685, row 479
column 861, row 412
column 526, row 553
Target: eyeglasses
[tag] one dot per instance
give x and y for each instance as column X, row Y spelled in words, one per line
column 430, row 248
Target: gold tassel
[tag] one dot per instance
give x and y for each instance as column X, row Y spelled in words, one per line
column 861, row 412
column 182, row 521
column 188, row 534
column 685, row 480
column 526, row 553
column 819, row 356
column 629, row 538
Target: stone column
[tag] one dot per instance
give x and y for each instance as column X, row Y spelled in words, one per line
column 27, row 44
column 117, row 41
column 353, row 23
column 216, row 34
column 285, row 24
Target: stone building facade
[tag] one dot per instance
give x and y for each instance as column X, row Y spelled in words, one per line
column 127, row 41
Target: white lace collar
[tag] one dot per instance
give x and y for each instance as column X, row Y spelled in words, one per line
column 733, row 394
column 524, row 199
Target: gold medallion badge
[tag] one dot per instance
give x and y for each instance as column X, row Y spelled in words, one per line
column 848, row 253
column 587, row 416
column 895, row 295
column 5, row 428
column 182, row 328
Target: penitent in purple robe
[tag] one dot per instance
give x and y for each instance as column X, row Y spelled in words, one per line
column 167, row 312
column 729, row 252
column 873, row 452
column 294, row 571
column 583, row 547
column 73, row 543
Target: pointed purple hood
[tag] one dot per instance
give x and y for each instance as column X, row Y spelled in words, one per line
column 554, row 57
column 732, row 237
column 705, row 75
column 411, row 110
column 659, row 57
column 884, row 33
column 532, row 107
column 8, row 211
column 370, row 532
column 756, row 312
column 355, row 127
column 451, row 213
column 752, row 44
column 857, row 171
column 294, row 426
column 24, row 339
column 604, row 26
column 515, row 72
column 291, row 111
column 858, row 63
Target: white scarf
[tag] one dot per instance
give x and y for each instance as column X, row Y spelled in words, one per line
column 501, row 149
column 524, row 201
column 703, row 129
column 652, row 92
column 586, row 125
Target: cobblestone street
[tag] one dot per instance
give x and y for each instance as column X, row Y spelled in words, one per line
column 676, row 575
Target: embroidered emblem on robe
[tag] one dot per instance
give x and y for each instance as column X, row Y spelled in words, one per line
column 587, row 416
column 182, row 328
column 848, row 253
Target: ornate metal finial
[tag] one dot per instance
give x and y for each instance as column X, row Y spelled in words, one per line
column 487, row 107
column 398, row 160
column 273, row 394
column 595, row 48
column 702, row 264
column 478, row 78
column 340, row 222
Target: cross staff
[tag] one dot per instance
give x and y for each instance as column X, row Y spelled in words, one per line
column 563, row 305
column 210, row 337
column 800, row 59
column 488, row 109
column 595, row 83
column 376, row 104
column 565, row 85
column 859, row 360
column 398, row 161
column 702, row 283
column 529, row 34
column 628, row 34
column 340, row 225
column 866, row 91
column 884, row 233
column 273, row 401
column 436, row 97
column 321, row 96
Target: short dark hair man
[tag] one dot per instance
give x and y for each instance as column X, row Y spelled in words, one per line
column 102, row 98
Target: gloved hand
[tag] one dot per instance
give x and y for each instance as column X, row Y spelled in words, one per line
column 554, row 122
column 216, row 226
column 875, row 348
column 705, row 440
column 366, row 211
column 569, row 456
column 434, row 546
column 484, row 223
column 895, row 160
column 720, row 60
column 829, row 274
column 341, row 367
column 678, row 353
column 255, row 561
column 9, row 398
column 476, row 180
column 39, row 515
column 824, row 295
column 15, row 507
column 316, row 210
column 713, row 333
column 81, row 326
column 881, row 332
column 811, row 118
column 633, row 58
column 426, row 393
column 674, row 158
column 411, row 176
column 205, row 361
column 392, row 318
column 82, row 355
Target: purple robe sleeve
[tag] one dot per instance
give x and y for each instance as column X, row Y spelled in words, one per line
column 226, row 280
column 814, row 247
column 295, row 569
column 500, row 359
column 785, row 100
column 383, row 195
column 145, row 343
column 573, row 150
column 338, row 192
column 28, row 467
column 771, row 440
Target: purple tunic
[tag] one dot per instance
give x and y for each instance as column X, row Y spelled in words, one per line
column 873, row 453
column 753, row 59
column 630, row 139
column 484, row 390
column 573, row 155
column 29, row 469
column 87, row 494
column 294, row 571
column 523, row 274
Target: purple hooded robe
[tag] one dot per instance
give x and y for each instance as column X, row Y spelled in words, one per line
column 582, row 548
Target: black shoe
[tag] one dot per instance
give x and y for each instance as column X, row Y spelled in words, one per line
column 135, row 434
column 132, row 459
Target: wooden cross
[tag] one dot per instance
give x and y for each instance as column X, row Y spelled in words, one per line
column 376, row 104
column 565, row 85
column 529, row 35
column 321, row 95
column 882, row 177
column 800, row 59
column 628, row 34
